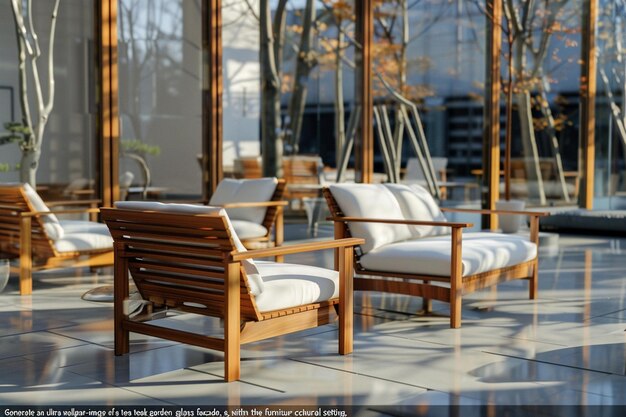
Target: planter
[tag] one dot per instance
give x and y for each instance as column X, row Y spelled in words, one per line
column 5, row 271
column 510, row 223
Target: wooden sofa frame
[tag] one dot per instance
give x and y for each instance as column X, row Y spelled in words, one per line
column 189, row 262
column 419, row 285
column 23, row 236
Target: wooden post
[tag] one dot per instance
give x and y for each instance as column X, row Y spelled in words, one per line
column 212, row 169
column 491, row 115
column 108, row 112
column 588, row 102
column 364, row 140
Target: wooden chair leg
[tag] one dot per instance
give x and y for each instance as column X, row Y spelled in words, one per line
column 279, row 232
column 346, row 300
column 533, row 282
column 456, row 283
column 232, row 370
column 120, row 295
column 427, row 303
column 26, row 257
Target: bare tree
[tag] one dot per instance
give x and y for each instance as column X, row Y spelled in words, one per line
column 35, row 107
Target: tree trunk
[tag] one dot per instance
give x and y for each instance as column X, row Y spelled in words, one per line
column 28, row 166
column 304, row 64
column 271, row 138
column 554, row 143
column 529, row 140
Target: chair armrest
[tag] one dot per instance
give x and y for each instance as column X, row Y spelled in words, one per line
column 400, row 221
column 487, row 211
column 303, row 247
column 85, row 202
column 69, row 211
column 254, row 204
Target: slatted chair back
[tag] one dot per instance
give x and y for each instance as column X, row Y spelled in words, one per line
column 178, row 260
column 248, row 167
column 302, row 169
column 13, row 203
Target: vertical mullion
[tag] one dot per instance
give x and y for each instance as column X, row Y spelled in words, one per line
column 587, row 102
column 491, row 115
column 364, row 143
column 108, row 123
column 212, row 131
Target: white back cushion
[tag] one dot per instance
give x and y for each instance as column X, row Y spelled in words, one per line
column 418, row 204
column 372, row 201
column 51, row 224
column 245, row 191
column 254, row 278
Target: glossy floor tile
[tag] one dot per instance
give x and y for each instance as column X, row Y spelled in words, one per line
column 568, row 347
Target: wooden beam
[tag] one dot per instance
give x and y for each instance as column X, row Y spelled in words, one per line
column 491, row 114
column 108, row 112
column 364, row 140
column 588, row 102
column 212, row 168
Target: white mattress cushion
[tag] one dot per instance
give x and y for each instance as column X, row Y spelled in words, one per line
column 289, row 285
column 482, row 251
column 248, row 230
column 51, row 224
column 254, row 279
column 85, row 241
column 245, row 191
column 418, row 204
column 371, row 201
column 83, row 226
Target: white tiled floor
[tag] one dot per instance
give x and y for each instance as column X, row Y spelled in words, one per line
column 566, row 348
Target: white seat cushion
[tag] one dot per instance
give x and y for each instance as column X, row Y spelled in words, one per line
column 72, row 242
column 481, row 252
column 418, row 204
column 254, row 279
column 83, row 226
column 290, row 285
column 51, row 224
column 371, row 201
column 245, row 191
column 248, row 230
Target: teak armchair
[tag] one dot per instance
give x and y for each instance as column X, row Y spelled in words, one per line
column 189, row 258
column 411, row 249
column 255, row 209
column 30, row 231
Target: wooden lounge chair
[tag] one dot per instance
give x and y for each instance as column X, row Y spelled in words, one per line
column 31, row 232
column 255, row 209
column 189, row 258
column 411, row 249
column 304, row 176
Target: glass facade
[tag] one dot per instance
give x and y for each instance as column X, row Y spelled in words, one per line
column 67, row 167
column 428, row 66
column 160, row 96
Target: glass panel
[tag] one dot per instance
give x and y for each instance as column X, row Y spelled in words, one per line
column 160, row 90
column 67, row 165
column 429, row 70
column 545, row 73
column 610, row 180
column 303, row 104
